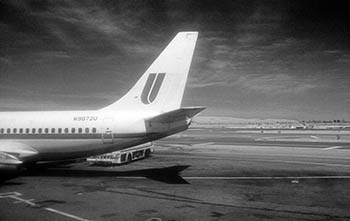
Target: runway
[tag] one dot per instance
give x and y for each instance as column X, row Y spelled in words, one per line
column 208, row 174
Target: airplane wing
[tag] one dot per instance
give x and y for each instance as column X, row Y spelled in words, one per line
column 13, row 153
column 6, row 158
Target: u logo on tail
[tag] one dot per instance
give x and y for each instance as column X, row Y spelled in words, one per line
column 161, row 86
column 152, row 86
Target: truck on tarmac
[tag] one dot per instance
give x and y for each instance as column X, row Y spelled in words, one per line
column 123, row 156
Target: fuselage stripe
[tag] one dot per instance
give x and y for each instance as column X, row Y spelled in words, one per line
column 69, row 136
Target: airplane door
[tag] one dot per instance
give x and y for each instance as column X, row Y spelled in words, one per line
column 107, row 132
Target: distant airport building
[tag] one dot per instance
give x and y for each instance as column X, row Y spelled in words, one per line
column 231, row 122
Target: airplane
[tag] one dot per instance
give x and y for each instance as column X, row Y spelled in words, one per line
column 149, row 111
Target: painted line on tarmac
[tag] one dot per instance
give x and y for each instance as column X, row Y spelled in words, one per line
column 15, row 196
column 203, row 144
column 223, row 156
column 65, row 214
column 266, row 178
column 289, row 138
column 5, row 195
column 332, row 148
column 20, row 200
column 306, row 163
column 245, row 178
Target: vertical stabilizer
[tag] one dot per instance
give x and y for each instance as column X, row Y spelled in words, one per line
column 162, row 86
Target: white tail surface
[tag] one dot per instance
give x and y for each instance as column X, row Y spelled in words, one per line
column 162, row 86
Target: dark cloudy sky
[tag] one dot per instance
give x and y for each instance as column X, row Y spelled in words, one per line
column 266, row 59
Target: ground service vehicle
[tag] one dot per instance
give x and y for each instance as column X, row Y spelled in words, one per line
column 123, row 156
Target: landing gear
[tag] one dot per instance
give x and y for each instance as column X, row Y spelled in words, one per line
column 129, row 158
column 147, row 153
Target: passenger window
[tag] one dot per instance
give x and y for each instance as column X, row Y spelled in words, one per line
column 86, row 130
column 21, row 130
column 66, row 130
column 40, row 130
column 8, row 130
column 46, row 130
column 53, row 130
column 33, row 131
column 59, row 130
column 27, row 130
column 80, row 130
column 2, row 130
column 14, row 130
column 94, row 130
column 73, row 130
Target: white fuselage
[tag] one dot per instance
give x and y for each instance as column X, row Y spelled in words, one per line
column 57, row 135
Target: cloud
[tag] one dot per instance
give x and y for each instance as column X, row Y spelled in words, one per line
column 267, row 56
column 344, row 58
column 276, row 84
column 257, row 61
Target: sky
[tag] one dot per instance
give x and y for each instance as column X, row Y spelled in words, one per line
column 253, row 59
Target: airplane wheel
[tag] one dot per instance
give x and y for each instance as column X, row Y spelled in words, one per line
column 148, row 153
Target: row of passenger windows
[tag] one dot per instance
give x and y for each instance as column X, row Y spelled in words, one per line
column 47, row 130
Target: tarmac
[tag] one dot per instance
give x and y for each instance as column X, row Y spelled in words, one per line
column 201, row 174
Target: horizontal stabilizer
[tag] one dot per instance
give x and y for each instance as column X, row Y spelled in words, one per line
column 178, row 114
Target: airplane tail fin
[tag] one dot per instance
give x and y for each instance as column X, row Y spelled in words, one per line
column 162, row 86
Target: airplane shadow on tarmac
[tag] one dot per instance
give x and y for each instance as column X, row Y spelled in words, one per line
column 170, row 175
